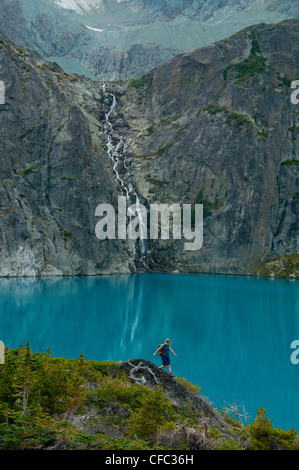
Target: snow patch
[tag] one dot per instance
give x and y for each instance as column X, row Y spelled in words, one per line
column 94, row 29
column 80, row 6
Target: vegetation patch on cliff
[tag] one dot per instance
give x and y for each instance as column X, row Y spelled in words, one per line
column 138, row 82
column 207, row 206
column 293, row 162
column 252, row 65
column 157, row 182
column 282, row 266
column 237, row 118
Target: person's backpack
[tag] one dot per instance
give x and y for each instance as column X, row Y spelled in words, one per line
column 161, row 350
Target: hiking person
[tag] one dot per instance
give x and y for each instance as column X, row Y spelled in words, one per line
column 164, row 349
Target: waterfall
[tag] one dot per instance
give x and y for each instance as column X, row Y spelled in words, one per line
column 142, row 228
column 117, row 152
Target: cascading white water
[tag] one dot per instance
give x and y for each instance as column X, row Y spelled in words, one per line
column 119, row 157
column 142, row 228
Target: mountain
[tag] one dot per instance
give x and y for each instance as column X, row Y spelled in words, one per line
column 214, row 126
column 122, row 39
column 148, row 11
column 221, row 130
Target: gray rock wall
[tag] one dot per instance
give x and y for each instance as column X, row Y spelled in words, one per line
column 215, row 126
column 223, row 132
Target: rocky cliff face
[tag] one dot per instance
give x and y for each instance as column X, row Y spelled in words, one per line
column 54, row 170
column 223, row 132
column 215, row 126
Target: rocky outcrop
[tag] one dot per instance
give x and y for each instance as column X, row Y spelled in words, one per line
column 139, row 371
column 215, row 126
column 147, row 373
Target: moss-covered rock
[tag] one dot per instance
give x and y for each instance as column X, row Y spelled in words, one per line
column 282, row 266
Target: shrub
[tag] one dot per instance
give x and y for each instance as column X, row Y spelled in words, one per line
column 225, row 72
column 290, row 162
column 239, row 120
column 138, row 82
column 251, row 66
column 157, row 182
column 145, row 422
column 119, row 390
column 189, row 385
column 215, row 108
column 151, row 129
column 265, row 437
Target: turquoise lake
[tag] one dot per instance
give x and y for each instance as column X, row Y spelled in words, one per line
column 232, row 335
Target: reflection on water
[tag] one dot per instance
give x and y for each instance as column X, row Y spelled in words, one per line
column 232, row 335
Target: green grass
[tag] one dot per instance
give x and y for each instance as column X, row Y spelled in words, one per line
column 225, row 72
column 68, row 234
column 138, row 82
column 253, row 65
column 215, row 108
column 237, row 118
column 157, row 182
column 283, row 81
column 281, row 266
column 290, row 162
column 163, row 149
column 25, row 172
column 151, row 129
column 67, row 178
column 46, row 66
